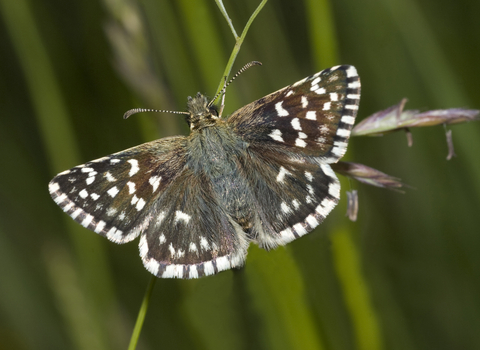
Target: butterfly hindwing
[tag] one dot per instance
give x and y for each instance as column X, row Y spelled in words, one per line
column 291, row 196
column 190, row 235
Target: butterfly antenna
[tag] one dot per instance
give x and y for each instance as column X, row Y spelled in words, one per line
column 140, row 110
column 243, row 69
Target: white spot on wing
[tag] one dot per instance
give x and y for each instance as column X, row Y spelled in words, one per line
column 310, row 189
column 333, row 96
column 325, row 207
column 282, row 173
column 304, row 102
column 155, row 182
column 83, row 193
column 140, row 204
column 312, row 221
column 309, row 176
column 109, row 177
column 312, row 115
column 339, row 148
column 222, row 263
column 131, row 187
column 60, row 198
column 171, row 249
column 68, row 207
column 173, row 271
column 162, row 238
column 101, row 224
column 299, row 229
column 179, row 215
column 343, row 132
column 276, row 135
column 351, row 72
column 287, row 235
column 280, row 110
column 115, row 235
column 289, row 93
column 296, row 204
column 152, row 266
column 180, row 253
column 300, row 143
column 316, row 81
column 347, row 119
column 193, row 273
column 134, row 169
column 143, row 246
column 193, row 248
column 320, row 91
column 160, row 218
column 53, row 187
column 326, row 106
column 119, row 237
column 354, row 85
column 88, row 219
column 327, row 170
column 111, row 211
column 285, row 208
column 208, row 268
column 204, row 243
column 321, row 139
column 296, row 124
column 334, row 190
column 90, row 180
column 76, row 213
column 134, row 199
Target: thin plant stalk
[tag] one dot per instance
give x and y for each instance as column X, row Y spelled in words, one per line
column 141, row 314
column 238, row 40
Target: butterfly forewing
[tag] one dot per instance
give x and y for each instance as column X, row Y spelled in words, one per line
column 314, row 116
column 112, row 195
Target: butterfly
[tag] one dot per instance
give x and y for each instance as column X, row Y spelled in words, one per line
column 262, row 175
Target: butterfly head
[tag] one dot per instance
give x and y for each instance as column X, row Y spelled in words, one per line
column 200, row 113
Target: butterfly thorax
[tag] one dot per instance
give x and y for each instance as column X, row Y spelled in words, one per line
column 214, row 153
column 214, row 149
column 201, row 114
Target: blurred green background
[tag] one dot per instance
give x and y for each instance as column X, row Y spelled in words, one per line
column 406, row 275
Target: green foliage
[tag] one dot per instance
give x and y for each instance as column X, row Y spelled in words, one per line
column 404, row 276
